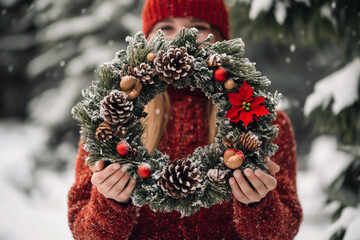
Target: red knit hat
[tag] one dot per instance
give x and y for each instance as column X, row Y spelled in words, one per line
column 211, row 11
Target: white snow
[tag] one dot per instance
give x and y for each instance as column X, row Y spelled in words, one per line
column 326, row 160
column 258, row 6
column 324, row 164
column 28, row 212
column 350, row 220
column 341, row 86
column 292, row 48
column 49, row 107
column 280, row 12
column 306, row 2
column 83, row 24
column 353, row 230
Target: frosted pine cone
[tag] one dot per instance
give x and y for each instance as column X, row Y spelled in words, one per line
column 123, row 72
column 116, row 108
column 214, row 60
column 249, row 141
column 104, row 132
column 143, row 72
column 180, row 178
column 217, row 175
column 174, row 65
column 121, row 131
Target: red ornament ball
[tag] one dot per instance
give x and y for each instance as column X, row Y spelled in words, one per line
column 144, row 170
column 123, row 148
column 220, row 74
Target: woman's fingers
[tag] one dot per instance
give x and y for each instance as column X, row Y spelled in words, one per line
column 124, row 195
column 268, row 180
column 98, row 166
column 99, row 177
column 245, row 187
column 106, row 186
column 273, row 167
column 238, row 194
column 259, row 186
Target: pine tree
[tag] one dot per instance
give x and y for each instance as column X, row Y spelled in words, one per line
column 72, row 39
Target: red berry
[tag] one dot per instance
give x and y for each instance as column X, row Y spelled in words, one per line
column 144, row 170
column 123, row 148
column 220, row 74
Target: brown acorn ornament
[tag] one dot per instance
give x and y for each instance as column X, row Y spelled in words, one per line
column 233, row 158
column 229, row 84
column 150, row 57
column 131, row 86
column 249, row 141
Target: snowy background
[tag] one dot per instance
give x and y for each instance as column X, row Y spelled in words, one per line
column 48, row 52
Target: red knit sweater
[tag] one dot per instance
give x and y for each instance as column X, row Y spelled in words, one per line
column 277, row 216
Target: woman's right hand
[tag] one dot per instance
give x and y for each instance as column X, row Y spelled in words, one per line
column 110, row 181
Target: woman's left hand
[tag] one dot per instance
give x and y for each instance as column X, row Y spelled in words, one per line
column 262, row 182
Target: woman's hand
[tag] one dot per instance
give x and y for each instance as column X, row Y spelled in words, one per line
column 110, row 181
column 262, row 182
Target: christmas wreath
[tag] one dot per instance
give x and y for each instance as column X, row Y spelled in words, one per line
column 113, row 106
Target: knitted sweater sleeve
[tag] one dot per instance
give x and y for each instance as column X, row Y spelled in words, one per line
column 279, row 214
column 90, row 214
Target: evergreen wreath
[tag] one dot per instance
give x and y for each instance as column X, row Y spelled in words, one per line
column 113, row 106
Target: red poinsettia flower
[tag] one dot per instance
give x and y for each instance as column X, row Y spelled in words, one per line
column 245, row 107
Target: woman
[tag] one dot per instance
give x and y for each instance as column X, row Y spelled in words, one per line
column 179, row 121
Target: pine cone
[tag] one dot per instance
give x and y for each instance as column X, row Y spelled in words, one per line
column 217, row 175
column 143, row 72
column 180, row 178
column 132, row 153
column 116, row 108
column 121, row 131
column 249, row 141
column 174, row 65
column 104, row 132
column 229, row 142
column 214, row 60
column 123, row 72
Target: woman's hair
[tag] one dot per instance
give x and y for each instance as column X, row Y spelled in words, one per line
column 158, row 111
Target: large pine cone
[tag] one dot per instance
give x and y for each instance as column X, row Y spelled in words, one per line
column 116, row 108
column 143, row 72
column 104, row 132
column 174, row 65
column 249, row 141
column 180, row 178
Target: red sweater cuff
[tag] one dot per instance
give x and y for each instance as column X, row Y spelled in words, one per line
column 106, row 203
column 260, row 220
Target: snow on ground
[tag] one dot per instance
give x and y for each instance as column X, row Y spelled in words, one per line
column 26, row 212
column 41, row 213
